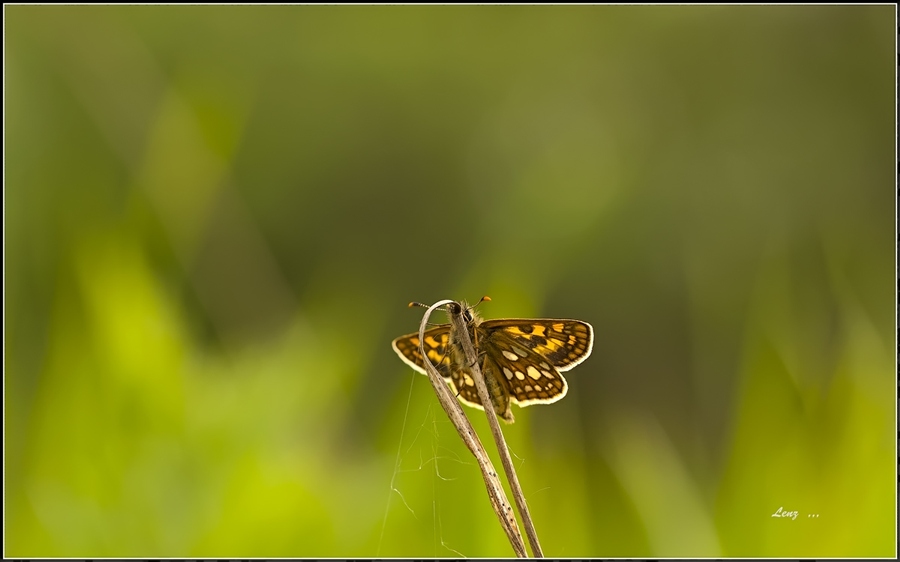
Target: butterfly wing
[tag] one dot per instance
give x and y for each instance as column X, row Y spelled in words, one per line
column 530, row 354
column 437, row 346
column 562, row 343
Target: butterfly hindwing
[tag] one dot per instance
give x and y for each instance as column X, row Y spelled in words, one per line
column 464, row 388
column 527, row 375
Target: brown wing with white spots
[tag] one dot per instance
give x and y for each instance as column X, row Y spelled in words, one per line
column 437, row 346
column 531, row 353
column 563, row 343
column 529, row 377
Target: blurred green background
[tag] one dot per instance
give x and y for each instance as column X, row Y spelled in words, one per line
column 215, row 217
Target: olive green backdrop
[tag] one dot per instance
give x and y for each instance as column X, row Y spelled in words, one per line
column 215, row 217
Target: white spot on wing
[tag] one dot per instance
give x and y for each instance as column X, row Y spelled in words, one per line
column 510, row 355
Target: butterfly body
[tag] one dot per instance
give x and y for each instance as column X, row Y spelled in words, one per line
column 521, row 359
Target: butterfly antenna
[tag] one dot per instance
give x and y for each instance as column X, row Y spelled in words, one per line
column 466, row 305
column 414, row 304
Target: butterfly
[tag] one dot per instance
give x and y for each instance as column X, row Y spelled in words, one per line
column 521, row 359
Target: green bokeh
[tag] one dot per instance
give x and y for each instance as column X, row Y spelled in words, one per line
column 215, row 217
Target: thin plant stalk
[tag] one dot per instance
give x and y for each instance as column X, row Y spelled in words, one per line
column 496, row 494
column 459, row 325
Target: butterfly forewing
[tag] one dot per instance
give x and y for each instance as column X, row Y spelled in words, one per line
column 437, row 346
column 562, row 343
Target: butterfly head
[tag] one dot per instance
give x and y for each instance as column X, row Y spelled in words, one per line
column 468, row 312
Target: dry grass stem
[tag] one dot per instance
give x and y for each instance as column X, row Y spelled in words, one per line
column 459, row 325
column 448, row 402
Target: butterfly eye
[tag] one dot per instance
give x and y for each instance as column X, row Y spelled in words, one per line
column 467, row 316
